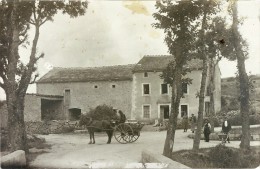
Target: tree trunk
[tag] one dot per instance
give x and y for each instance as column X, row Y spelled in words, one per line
column 211, row 93
column 15, row 101
column 196, row 141
column 16, row 126
column 243, row 81
column 244, row 103
column 175, row 101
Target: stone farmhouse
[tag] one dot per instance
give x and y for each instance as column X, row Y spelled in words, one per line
column 137, row 90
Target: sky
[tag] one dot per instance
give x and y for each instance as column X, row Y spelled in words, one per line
column 121, row 32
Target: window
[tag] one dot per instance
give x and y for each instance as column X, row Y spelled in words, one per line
column 113, row 86
column 67, row 97
column 185, row 88
column 164, row 88
column 95, row 86
column 184, row 110
column 145, row 74
column 146, row 89
column 146, row 111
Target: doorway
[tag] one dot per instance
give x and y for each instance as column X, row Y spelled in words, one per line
column 164, row 111
column 74, row 114
column 184, row 110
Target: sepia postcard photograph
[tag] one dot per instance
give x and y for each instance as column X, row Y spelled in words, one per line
column 96, row 84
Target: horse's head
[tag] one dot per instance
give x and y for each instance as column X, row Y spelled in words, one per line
column 84, row 120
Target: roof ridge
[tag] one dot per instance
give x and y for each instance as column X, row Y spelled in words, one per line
column 157, row 55
column 92, row 67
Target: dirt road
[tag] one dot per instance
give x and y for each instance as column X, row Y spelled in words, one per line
column 73, row 150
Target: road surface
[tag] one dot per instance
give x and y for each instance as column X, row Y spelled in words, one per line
column 73, row 150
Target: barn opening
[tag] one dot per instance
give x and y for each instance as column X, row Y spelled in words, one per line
column 51, row 109
column 74, row 113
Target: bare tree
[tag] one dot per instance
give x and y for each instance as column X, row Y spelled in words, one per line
column 16, row 19
column 241, row 55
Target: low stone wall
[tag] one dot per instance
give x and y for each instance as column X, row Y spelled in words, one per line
column 233, row 137
column 50, row 127
column 158, row 160
column 14, row 159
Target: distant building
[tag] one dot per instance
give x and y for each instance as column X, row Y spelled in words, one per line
column 151, row 98
column 77, row 90
column 137, row 90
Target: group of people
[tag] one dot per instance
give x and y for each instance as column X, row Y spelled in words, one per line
column 185, row 122
column 226, row 126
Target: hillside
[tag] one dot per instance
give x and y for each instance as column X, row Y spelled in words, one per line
column 229, row 89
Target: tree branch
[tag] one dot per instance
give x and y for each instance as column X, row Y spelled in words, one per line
column 3, row 76
column 23, row 40
column 31, row 22
column 26, row 75
column 39, row 57
column 34, row 14
column 25, row 31
column 2, row 85
column 218, row 59
column 34, row 79
column 43, row 21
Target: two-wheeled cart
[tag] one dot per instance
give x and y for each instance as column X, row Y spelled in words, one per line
column 127, row 132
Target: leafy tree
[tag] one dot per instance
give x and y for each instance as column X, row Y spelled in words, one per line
column 17, row 17
column 240, row 48
column 176, row 19
column 214, row 38
column 207, row 10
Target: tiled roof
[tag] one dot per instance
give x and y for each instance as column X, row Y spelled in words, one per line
column 106, row 73
column 44, row 95
column 112, row 73
column 160, row 62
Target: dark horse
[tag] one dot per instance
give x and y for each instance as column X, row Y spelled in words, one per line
column 96, row 126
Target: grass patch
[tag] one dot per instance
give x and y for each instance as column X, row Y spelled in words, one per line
column 219, row 157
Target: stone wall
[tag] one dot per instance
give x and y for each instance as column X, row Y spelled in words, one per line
column 14, row 160
column 159, row 161
column 87, row 95
column 155, row 99
column 32, row 108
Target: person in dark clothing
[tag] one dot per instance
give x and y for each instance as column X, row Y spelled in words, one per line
column 185, row 123
column 206, row 131
column 122, row 117
column 193, row 121
column 226, row 127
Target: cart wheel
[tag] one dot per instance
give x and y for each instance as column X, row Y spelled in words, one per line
column 123, row 133
column 134, row 138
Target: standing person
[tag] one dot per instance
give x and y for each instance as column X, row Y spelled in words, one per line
column 226, row 127
column 185, row 122
column 122, row 117
column 193, row 121
column 206, row 131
